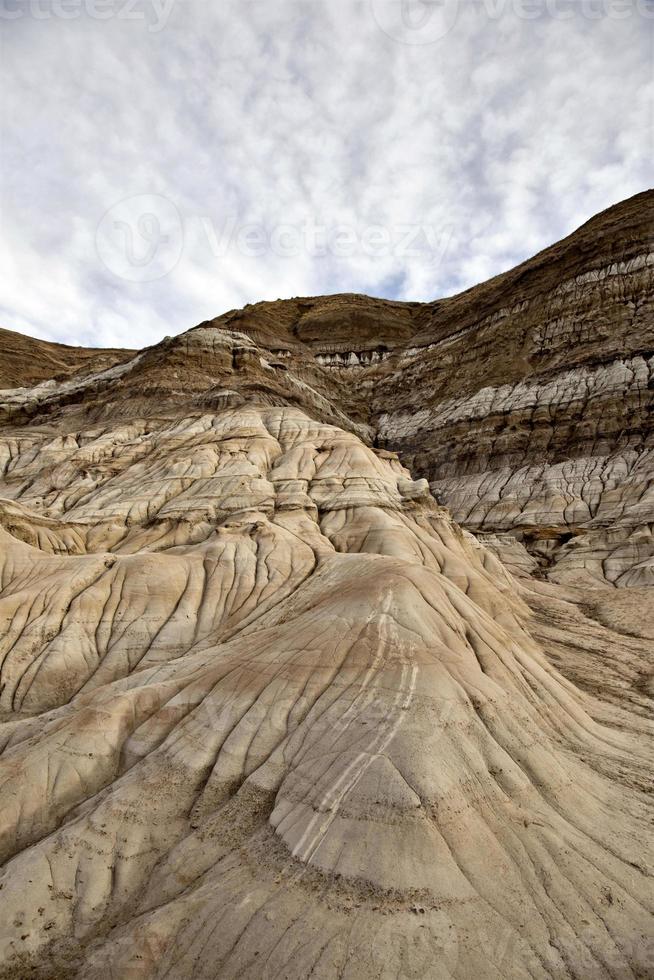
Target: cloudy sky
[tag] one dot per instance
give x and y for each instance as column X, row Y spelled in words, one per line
column 163, row 161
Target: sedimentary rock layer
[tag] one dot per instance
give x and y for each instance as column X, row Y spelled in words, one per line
column 267, row 709
column 270, row 712
column 26, row 361
column 526, row 401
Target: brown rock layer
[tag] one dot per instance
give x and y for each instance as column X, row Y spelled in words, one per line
column 26, row 361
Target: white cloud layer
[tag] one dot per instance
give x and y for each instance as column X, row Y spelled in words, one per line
column 165, row 160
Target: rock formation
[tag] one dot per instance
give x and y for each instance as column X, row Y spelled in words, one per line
column 26, row 361
column 267, row 709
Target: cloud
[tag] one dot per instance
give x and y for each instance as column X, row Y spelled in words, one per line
column 394, row 147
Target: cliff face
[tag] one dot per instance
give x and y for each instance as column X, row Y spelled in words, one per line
column 527, row 402
column 268, row 709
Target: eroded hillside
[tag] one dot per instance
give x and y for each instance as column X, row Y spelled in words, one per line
column 268, row 710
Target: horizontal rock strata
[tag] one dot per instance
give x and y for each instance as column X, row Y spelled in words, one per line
column 325, row 637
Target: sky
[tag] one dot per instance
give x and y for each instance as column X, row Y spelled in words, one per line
column 163, row 161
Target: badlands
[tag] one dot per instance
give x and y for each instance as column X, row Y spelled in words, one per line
column 326, row 636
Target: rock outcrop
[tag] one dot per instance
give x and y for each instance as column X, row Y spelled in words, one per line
column 27, row 361
column 527, row 402
column 267, row 709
